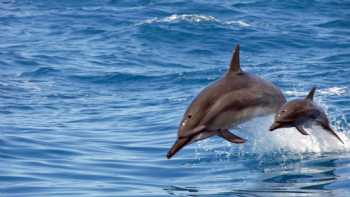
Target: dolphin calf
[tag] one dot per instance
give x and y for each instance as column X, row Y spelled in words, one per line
column 235, row 98
column 302, row 112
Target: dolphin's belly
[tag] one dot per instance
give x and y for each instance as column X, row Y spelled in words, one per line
column 230, row 118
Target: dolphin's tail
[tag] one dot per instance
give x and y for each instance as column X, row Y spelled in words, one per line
column 177, row 146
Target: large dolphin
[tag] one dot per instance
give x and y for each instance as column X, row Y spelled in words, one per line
column 299, row 113
column 235, row 98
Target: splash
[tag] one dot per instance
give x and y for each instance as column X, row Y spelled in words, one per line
column 282, row 142
column 290, row 140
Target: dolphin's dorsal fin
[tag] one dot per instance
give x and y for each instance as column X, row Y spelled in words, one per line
column 235, row 66
column 311, row 94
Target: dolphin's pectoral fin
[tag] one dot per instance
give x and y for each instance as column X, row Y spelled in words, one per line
column 301, row 130
column 227, row 135
column 326, row 127
column 193, row 132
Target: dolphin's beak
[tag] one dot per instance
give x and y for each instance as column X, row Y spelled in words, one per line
column 275, row 126
column 180, row 142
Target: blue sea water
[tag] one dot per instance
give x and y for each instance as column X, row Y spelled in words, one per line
column 91, row 94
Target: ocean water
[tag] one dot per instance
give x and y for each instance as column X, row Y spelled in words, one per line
column 92, row 92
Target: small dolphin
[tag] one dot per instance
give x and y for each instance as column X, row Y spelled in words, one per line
column 302, row 112
column 235, row 98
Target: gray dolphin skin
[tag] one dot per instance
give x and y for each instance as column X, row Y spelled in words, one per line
column 299, row 113
column 235, row 98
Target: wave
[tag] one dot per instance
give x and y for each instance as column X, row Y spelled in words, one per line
column 118, row 77
column 193, row 18
column 331, row 91
column 335, row 24
column 183, row 17
column 103, row 78
column 42, row 71
column 111, row 77
column 239, row 22
column 338, row 91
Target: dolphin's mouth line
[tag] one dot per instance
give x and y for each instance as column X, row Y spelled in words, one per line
column 285, row 122
column 281, row 124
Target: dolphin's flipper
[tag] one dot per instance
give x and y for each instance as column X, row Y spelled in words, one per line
column 227, row 135
column 301, row 130
column 194, row 131
column 325, row 126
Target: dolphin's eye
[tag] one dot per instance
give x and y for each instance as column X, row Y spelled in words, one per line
column 189, row 116
column 283, row 111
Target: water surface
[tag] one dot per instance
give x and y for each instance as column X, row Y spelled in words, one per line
column 91, row 94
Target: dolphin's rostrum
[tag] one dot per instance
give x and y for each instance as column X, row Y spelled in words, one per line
column 235, row 98
column 299, row 113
